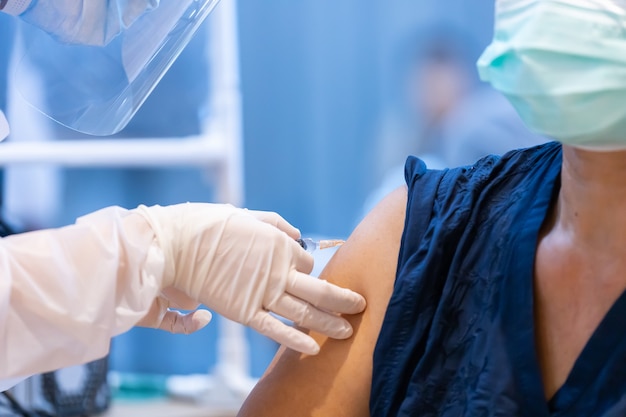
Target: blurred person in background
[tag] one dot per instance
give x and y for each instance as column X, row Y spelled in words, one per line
column 452, row 118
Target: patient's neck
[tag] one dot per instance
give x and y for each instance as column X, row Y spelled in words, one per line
column 591, row 207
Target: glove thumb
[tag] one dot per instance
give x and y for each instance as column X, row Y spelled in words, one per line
column 161, row 317
column 185, row 323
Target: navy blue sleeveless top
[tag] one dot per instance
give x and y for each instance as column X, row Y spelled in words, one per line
column 458, row 335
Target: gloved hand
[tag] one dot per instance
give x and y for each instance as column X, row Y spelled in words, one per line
column 246, row 264
column 88, row 22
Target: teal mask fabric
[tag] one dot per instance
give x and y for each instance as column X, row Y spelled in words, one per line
column 562, row 65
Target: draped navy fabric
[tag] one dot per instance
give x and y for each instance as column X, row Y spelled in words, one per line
column 458, row 335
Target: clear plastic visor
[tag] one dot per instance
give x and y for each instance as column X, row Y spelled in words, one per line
column 98, row 89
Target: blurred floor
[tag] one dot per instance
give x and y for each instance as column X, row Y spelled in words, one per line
column 163, row 408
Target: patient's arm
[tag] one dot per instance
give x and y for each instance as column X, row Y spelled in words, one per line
column 336, row 382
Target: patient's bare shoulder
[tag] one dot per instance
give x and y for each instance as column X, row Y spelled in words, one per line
column 336, row 382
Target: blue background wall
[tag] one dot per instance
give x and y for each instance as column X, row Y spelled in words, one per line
column 315, row 78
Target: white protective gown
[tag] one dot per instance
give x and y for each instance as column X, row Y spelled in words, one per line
column 66, row 292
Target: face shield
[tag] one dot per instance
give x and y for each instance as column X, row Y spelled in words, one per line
column 98, row 89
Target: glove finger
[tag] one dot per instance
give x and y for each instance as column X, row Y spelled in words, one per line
column 305, row 315
column 179, row 299
column 185, row 323
column 277, row 221
column 324, row 295
column 286, row 335
column 303, row 259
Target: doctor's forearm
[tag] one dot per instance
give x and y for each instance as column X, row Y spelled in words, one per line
column 65, row 292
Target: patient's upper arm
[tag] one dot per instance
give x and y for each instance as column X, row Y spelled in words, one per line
column 336, row 382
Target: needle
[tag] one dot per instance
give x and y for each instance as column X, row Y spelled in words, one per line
column 311, row 245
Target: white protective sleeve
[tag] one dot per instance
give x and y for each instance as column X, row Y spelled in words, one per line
column 64, row 293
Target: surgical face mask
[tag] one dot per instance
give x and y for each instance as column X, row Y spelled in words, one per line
column 97, row 88
column 562, row 65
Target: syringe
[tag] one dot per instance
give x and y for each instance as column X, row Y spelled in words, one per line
column 311, row 245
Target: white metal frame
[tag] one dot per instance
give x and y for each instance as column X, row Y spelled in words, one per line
column 219, row 149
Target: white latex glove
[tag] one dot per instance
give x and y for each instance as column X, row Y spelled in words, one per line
column 245, row 264
column 88, row 22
